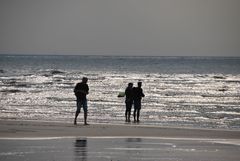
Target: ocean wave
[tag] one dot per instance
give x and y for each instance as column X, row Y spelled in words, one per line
column 51, row 72
column 15, row 82
column 58, row 99
column 11, row 91
column 221, row 95
column 232, row 81
column 9, row 81
column 171, row 99
column 46, row 83
column 219, row 77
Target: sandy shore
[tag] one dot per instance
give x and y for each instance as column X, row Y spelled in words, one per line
column 40, row 141
column 22, row 129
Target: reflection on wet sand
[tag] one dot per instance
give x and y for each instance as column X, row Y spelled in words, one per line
column 131, row 140
column 131, row 147
column 80, row 147
column 119, row 149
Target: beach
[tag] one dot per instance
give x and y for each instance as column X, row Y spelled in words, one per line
column 27, row 140
column 25, row 129
column 75, row 74
column 190, row 112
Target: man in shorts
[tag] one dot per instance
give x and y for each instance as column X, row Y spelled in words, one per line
column 128, row 101
column 81, row 92
column 137, row 95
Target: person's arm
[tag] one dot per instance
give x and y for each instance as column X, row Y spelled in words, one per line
column 142, row 93
column 126, row 92
column 87, row 92
column 75, row 88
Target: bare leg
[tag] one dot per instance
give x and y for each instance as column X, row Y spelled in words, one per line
column 75, row 120
column 85, row 118
column 126, row 112
column 134, row 115
column 138, row 114
column 129, row 113
column 77, row 111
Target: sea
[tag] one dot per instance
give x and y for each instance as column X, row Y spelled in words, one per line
column 191, row 92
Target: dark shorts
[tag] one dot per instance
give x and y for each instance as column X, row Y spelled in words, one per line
column 82, row 103
column 129, row 105
column 137, row 104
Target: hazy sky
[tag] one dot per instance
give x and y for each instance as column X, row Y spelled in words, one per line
column 121, row 27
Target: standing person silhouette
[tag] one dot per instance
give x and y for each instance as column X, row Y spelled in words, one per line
column 137, row 96
column 81, row 92
column 129, row 101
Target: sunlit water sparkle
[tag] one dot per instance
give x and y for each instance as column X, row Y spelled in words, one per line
column 180, row 91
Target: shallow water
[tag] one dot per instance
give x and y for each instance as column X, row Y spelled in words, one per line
column 180, row 91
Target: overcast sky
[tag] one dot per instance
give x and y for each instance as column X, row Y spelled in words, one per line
column 121, row 27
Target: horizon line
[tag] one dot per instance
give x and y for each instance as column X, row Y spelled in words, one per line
column 114, row 55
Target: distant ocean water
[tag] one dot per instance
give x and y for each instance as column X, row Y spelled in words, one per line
column 199, row 92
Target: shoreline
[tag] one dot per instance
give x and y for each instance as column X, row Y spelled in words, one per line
column 46, row 129
column 141, row 124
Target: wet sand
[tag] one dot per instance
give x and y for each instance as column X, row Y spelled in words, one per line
column 117, row 149
column 20, row 129
column 40, row 141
